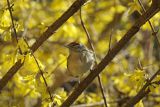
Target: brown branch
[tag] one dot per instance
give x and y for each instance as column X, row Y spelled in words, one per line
column 144, row 91
column 51, row 29
column 155, row 7
column 92, row 47
column 15, row 34
column 18, row 64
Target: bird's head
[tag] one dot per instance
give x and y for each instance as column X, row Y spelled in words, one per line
column 77, row 47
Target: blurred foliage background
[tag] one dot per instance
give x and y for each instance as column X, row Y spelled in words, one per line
column 122, row 79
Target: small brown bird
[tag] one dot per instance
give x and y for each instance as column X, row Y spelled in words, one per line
column 80, row 59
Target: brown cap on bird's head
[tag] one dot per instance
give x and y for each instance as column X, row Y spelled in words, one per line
column 73, row 44
column 76, row 47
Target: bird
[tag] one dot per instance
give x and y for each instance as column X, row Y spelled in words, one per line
column 80, row 60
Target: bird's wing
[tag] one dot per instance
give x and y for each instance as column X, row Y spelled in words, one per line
column 83, row 57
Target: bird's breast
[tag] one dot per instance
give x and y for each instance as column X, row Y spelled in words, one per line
column 75, row 65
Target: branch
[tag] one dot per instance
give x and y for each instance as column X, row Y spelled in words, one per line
column 14, row 37
column 155, row 7
column 142, row 93
column 154, row 32
column 13, row 26
column 51, row 29
column 92, row 47
column 41, row 72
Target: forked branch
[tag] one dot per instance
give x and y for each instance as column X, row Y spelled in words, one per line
column 51, row 29
column 155, row 7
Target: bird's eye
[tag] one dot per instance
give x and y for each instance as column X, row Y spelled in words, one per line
column 80, row 46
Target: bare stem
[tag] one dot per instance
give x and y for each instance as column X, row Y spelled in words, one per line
column 13, row 26
column 154, row 8
column 41, row 72
column 154, row 32
column 16, row 38
column 144, row 91
column 92, row 47
column 43, row 37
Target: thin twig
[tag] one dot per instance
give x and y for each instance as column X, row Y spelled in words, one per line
column 43, row 37
column 41, row 72
column 154, row 8
column 92, row 47
column 154, row 32
column 16, row 37
column 143, row 92
column 13, row 26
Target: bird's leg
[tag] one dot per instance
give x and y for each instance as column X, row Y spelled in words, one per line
column 78, row 82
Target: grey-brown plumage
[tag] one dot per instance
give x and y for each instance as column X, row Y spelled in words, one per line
column 80, row 59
